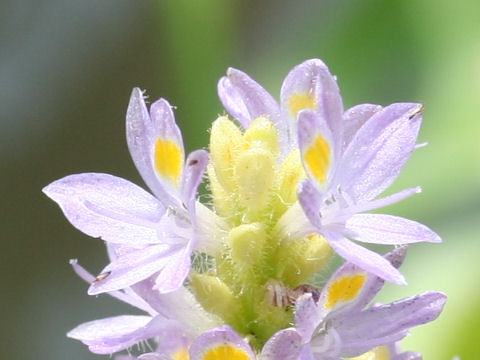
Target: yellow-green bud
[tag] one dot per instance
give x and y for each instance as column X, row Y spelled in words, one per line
column 262, row 134
column 286, row 182
column 214, row 295
column 223, row 201
column 226, row 141
column 254, row 171
column 299, row 260
column 246, row 243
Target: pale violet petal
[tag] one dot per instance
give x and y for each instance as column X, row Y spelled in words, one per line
column 375, row 283
column 365, row 259
column 141, row 139
column 354, row 118
column 110, row 335
column 307, row 354
column 128, row 297
column 379, row 150
column 310, row 83
column 243, row 93
column 388, row 229
column 180, row 305
column 195, row 166
column 164, row 128
column 361, row 287
column 317, row 147
column 108, row 207
column 379, row 203
column 220, row 336
column 283, row 345
column 310, row 199
column 175, row 271
column 307, row 316
column 94, row 331
column 385, row 324
column 233, row 102
column 132, row 268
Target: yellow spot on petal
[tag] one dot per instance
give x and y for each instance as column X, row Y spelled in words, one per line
column 298, row 102
column 344, row 289
column 226, row 352
column 378, row 353
column 181, row 354
column 382, row 353
column 168, row 160
column 318, row 157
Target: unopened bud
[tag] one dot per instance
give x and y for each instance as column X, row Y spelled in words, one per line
column 226, row 141
column 262, row 134
column 246, row 242
column 214, row 295
column 299, row 260
column 254, row 171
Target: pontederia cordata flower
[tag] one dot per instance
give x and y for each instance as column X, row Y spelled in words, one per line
column 158, row 233
column 226, row 280
column 349, row 158
column 174, row 320
column 338, row 325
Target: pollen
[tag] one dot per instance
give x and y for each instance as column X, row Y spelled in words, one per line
column 226, row 352
column 318, row 157
column 168, row 160
column 344, row 289
column 299, row 102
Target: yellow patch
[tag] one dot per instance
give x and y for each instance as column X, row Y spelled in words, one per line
column 298, row 102
column 226, row 352
column 318, row 157
column 344, row 289
column 382, row 353
column 181, row 354
column 378, row 353
column 168, row 160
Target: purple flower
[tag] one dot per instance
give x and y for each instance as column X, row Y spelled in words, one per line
column 218, row 343
column 348, row 170
column 349, row 157
column 154, row 234
column 339, row 325
column 181, row 329
column 307, row 86
column 172, row 319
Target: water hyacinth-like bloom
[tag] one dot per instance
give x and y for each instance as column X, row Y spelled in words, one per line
column 157, row 234
column 237, row 278
column 338, row 326
column 349, row 157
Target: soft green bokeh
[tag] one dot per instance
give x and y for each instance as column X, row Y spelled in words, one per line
column 66, row 71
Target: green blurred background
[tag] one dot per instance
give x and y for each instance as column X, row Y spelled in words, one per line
column 66, row 72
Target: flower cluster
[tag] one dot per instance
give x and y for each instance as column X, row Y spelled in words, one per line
column 237, row 278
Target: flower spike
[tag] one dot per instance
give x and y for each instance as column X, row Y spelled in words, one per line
column 239, row 278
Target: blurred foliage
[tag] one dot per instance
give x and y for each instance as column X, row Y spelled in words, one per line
column 66, row 71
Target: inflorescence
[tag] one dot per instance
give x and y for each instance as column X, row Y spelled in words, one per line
column 290, row 184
